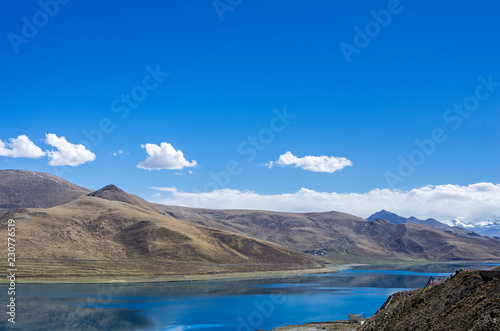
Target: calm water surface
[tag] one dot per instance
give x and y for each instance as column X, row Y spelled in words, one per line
column 217, row 305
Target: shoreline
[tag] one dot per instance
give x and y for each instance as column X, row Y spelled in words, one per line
column 326, row 268
column 180, row 278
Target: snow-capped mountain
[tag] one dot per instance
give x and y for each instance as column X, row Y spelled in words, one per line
column 487, row 226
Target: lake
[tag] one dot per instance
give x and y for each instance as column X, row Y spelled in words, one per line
column 217, row 305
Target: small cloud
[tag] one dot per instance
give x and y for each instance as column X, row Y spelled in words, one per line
column 21, row 146
column 66, row 153
column 183, row 173
column 164, row 189
column 157, row 195
column 322, row 163
column 118, row 153
column 164, row 157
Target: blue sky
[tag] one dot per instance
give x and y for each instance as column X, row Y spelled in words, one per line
column 229, row 67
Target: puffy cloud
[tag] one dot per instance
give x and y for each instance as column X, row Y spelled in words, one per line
column 443, row 202
column 322, row 163
column 66, row 153
column 164, row 157
column 21, row 146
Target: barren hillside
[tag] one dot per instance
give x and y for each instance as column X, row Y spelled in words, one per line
column 92, row 237
column 343, row 237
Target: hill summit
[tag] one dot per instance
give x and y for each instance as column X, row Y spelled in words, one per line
column 30, row 189
column 114, row 193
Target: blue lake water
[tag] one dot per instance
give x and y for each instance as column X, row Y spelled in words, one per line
column 217, row 305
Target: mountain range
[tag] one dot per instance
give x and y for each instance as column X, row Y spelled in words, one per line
column 68, row 232
column 396, row 219
column 489, row 227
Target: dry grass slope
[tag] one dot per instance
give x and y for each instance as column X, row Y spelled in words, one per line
column 96, row 238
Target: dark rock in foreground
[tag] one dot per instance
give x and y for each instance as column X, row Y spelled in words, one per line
column 466, row 301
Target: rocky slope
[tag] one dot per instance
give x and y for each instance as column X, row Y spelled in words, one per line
column 466, row 301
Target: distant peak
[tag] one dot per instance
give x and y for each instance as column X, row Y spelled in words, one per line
column 385, row 212
column 105, row 191
column 110, row 187
column 114, row 193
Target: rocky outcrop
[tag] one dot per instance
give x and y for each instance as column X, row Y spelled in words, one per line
column 469, row 300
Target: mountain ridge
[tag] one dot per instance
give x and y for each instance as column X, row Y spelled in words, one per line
column 397, row 219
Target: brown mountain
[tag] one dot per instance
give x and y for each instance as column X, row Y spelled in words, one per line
column 340, row 236
column 95, row 238
column 20, row 188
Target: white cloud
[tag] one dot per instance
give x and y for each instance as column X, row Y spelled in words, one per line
column 67, row 154
column 164, row 189
column 183, row 173
column 164, row 157
column 21, row 146
column 443, row 202
column 117, row 153
column 322, row 163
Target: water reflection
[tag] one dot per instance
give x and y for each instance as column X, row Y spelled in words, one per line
column 216, row 305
